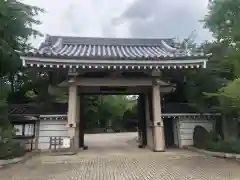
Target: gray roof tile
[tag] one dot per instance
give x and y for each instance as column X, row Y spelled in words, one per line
column 109, row 48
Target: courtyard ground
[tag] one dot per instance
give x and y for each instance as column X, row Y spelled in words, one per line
column 116, row 157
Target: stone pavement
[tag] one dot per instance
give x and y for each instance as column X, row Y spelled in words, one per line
column 124, row 164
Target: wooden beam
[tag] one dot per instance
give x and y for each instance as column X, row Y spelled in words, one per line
column 119, row 82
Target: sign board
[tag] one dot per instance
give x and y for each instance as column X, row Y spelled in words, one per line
column 66, row 142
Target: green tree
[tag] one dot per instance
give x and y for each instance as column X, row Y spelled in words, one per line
column 116, row 106
column 192, row 83
column 92, row 111
column 16, row 22
column 223, row 20
column 216, row 87
column 102, row 110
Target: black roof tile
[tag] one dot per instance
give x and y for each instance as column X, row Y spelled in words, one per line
column 110, row 48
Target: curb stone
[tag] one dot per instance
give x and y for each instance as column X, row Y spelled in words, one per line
column 62, row 153
column 215, row 154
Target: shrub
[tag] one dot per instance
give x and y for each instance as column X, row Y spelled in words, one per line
column 11, row 149
column 224, row 146
column 201, row 137
column 236, row 147
column 8, row 147
column 215, row 137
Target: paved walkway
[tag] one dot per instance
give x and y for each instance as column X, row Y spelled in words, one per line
column 124, row 164
column 113, row 141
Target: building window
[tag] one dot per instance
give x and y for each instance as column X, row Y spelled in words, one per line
column 24, row 130
column 18, row 130
column 29, row 130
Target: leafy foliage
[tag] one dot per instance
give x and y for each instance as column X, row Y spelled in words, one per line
column 224, row 146
column 17, row 20
column 8, row 147
column 229, row 96
column 216, row 86
column 11, row 149
column 104, row 111
column 223, row 19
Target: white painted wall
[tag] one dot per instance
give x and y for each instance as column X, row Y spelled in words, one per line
column 48, row 128
column 186, row 128
column 183, row 131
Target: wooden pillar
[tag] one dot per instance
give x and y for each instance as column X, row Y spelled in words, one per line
column 81, row 123
column 73, row 120
column 142, row 120
column 158, row 129
column 77, row 120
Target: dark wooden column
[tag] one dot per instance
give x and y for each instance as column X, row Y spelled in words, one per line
column 82, row 123
column 142, row 120
column 150, row 102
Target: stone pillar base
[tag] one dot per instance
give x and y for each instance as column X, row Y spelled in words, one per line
column 159, row 142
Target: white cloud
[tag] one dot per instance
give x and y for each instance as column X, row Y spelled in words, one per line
column 138, row 18
column 166, row 18
column 80, row 17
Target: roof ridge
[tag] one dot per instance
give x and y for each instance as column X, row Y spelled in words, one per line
column 51, row 40
column 127, row 45
column 94, row 37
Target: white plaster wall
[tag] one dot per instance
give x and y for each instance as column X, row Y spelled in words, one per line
column 50, row 128
column 186, row 128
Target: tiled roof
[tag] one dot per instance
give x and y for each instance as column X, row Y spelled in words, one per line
column 33, row 109
column 110, row 48
column 178, row 107
column 20, row 109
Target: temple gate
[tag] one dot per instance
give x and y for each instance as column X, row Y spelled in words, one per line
column 112, row 66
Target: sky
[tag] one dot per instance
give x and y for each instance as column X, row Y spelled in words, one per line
column 123, row 18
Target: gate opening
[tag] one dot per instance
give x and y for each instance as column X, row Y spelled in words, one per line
column 111, row 121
